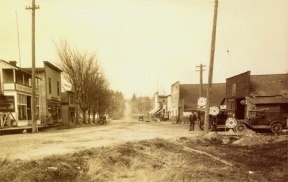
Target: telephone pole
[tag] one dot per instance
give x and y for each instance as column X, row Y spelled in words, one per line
column 33, row 100
column 212, row 51
column 201, row 78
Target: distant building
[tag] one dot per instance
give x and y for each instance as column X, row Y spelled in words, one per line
column 160, row 110
column 68, row 107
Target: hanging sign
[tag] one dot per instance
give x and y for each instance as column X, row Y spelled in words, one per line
column 7, row 104
column 214, row 111
column 201, row 101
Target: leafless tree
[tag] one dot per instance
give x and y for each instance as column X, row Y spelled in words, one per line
column 76, row 66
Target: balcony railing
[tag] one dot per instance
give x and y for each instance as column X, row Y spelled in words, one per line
column 18, row 87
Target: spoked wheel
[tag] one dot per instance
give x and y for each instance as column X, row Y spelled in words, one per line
column 201, row 126
column 276, row 128
column 240, row 127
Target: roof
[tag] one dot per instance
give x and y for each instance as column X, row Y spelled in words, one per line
column 190, row 93
column 43, row 69
column 16, row 67
column 47, row 63
column 269, row 85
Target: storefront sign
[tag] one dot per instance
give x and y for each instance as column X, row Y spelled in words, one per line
column 7, row 104
column 23, row 88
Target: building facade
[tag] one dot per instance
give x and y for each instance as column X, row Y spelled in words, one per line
column 16, row 94
column 246, row 92
column 160, row 110
column 184, row 98
column 50, row 92
column 68, row 107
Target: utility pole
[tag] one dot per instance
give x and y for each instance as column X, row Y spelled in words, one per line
column 201, row 78
column 33, row 100
column 212, row 51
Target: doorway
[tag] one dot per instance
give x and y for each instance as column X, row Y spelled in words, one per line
column 240, row 109
column 29, row 107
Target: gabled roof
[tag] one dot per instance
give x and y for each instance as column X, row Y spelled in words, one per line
column 269, row 85
column 16, row 67
column 47, row 63
column 190, row 93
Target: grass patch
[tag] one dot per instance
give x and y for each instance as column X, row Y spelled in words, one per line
column 155, row 160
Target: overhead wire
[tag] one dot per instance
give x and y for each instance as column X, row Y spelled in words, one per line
column 226, row 44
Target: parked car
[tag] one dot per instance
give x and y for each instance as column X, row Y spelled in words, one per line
column 215, row 122
column 141, row 118
column 260, row 120
column 102, row 119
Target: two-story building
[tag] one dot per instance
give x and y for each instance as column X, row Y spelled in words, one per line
column 68, row 107
column 160, row 110
column 50, row 92
column 16, row 93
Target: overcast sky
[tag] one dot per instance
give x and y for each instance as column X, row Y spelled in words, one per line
column 147, row 45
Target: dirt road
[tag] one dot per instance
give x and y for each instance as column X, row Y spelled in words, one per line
column 38, row 145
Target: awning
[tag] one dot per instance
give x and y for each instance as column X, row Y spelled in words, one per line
column 154, row 110
column 160, row 110
column 268, row 100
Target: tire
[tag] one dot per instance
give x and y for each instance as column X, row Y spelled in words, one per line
column 240, row 127
column 201, row 126
column 276, row 128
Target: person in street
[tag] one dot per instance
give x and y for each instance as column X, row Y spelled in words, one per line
column 192, row 120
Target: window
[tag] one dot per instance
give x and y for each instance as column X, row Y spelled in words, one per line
column 234, row 89
column 231, row 104
column 49, row 85
column 71, row 99
column 21, row 99
column 58, row 88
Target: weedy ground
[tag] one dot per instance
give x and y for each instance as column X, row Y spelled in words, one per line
column 202, row 158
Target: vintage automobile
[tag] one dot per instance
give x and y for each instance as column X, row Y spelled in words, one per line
column 215, row 122
column 141, row 118
column 259, row 120
column 102, row 119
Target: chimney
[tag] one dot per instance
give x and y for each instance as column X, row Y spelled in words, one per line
column 13, row 63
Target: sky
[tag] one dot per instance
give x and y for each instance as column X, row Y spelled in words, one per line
column 145, row 46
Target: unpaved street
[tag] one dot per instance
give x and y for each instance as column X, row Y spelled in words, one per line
column 38, row 145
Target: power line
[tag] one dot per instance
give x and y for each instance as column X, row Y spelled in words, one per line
column 227, row 49
column 201, row 78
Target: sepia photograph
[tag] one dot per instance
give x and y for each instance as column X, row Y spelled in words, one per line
column 143, row 90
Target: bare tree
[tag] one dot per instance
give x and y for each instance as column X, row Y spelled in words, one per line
column 75, row 65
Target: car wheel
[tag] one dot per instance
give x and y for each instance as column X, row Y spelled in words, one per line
column 240, row 127
column 201, row 126
column 276, row 128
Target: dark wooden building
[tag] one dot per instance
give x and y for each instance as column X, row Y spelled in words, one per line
column 246, row 92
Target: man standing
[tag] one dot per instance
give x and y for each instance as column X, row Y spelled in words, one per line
column 192, row 120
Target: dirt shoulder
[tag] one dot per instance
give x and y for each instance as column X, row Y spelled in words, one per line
column 210, row 157
column 34, row 146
